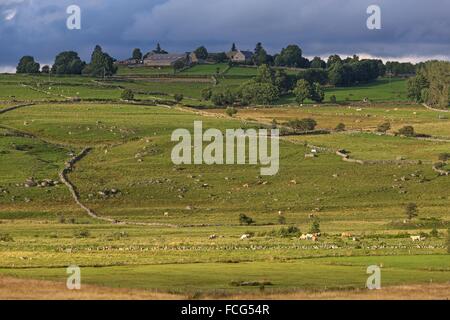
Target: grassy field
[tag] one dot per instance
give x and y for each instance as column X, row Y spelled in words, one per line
column 42, row 230
column 143, row 71
column 206, row 69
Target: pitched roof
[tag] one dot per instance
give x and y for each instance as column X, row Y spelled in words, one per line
column 247, row 54
column 170, row 57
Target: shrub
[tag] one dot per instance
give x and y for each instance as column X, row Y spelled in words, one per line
column 434, row 233
column 411, row 210
column 206, row 94
column 178, row 97
column 245, row 220
column 407, row 131
column 82, row 234
column 306, row 124
column 333, row 99
column 384, row 127
column 439, row 165
column 223, row 98
column 127, row 95
column 315, row 226
column 231, row 111
column 444, row 156
column 340, row 127
column 290, row 231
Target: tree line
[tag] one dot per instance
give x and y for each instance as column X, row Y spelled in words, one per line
column 431, row 84
column 69, row 63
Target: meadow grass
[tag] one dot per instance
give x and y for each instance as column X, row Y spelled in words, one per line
column 43, row 230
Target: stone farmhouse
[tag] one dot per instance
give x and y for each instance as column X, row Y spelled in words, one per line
column 240, row 56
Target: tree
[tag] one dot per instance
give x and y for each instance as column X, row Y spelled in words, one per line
column 407, row 131
column 45, row 69
column 137, row 54
column 158, row 49
column 283, row 81
column 332, row 60
column 265, row 74
column 68, row 62
column 317, row 93
column 178, row 97
column 314, row 75
column 127, row 95
column 27, row 65
column 315, row 226
column 201, row 53
column 437, row 74
column 102, row 64
column 384, row 127
column 318, row 63
column 336, row 74
column 415, row 86
column 245, row 220
column 260, row 55
column 411, row 210
column 291, row 56
column 218, row 57
column 302, row 91
column 262, row 93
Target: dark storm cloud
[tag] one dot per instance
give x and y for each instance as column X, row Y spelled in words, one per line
column 409, row 28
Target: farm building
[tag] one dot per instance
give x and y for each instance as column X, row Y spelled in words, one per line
column 128, row 62
column 165, row 60
column 240, row 56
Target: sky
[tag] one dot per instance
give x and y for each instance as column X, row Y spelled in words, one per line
column 411, row 30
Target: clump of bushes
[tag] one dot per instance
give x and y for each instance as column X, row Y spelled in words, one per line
column 178, row 97
column 127, row 95
column 407, row 131
column 340, row 127
column 118, row 235
column 82, row 234
column 384, row 127
column 285, row 232
column 333, row 99
column 223, row 97
column 231, row 111
column 307, row 124
column 245, row 220
column 315, row 226
column 444, row 156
